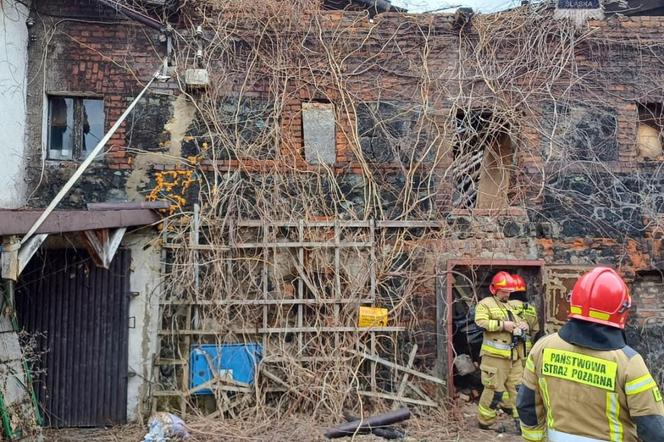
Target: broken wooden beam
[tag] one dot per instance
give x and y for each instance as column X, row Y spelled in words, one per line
column 402, row 386
column 391, row 397
column 396, row 366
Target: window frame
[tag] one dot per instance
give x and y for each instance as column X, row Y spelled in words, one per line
column 78, row 99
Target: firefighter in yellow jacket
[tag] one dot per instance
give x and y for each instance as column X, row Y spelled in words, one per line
column 526, row 310
column 584, row 383
column 501, row 365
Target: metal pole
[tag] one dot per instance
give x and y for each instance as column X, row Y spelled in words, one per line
column 84, row 165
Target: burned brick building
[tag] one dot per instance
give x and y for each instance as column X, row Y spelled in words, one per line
column 293, row 162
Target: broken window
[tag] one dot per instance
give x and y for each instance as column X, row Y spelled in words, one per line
column 318, row 129
column 75, row 126
column 482, row 161
column 649, row 131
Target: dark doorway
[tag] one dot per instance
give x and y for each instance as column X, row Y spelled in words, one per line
column 79, row 315
column 467, row 284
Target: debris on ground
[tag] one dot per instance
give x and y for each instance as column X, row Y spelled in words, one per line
column 367, row 425
column 165, row 427
column 456, row 424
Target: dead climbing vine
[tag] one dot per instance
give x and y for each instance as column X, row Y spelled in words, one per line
column 435, row 120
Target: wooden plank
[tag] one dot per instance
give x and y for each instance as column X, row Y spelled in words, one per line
column 95, row 246
column 167, row 393
column 229, row 260
column 348, row 224
column 337, row 282
column 249, row 331
column 274, row 378
column 374, row 385
column 411, row 224
column 16, row 222
column 378, row 395
column 305, row 279
column 419, row 391
column 276, row 359
column 279, row 245
column 191, row 311
column 372, row 261
column 396, row 366
column 164, row 361
column 307, row 224
column 264, row 278
column 441, row 325
column 217, row 384
column 10, row 259
column 300, row 289
column 402, row 386
column 219, row 302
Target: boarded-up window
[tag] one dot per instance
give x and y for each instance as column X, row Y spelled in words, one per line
column 318, row 127
column 649, row 131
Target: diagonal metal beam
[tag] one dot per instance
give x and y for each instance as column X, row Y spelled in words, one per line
column 84, row 165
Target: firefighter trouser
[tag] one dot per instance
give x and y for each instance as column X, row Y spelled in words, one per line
column 498, row 376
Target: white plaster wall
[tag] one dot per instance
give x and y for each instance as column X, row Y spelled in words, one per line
column 144, row 309
column 13, row 82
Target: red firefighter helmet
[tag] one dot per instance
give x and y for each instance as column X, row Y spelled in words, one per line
column 600, row 296
column 520, row 283
column 502, row 281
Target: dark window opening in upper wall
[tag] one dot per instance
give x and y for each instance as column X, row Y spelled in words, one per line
column 482, row 160
column 75, row 126
column 650, row 130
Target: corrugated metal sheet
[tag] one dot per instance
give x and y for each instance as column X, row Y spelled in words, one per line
column 80, row 313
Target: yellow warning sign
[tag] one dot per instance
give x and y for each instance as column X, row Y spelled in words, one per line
column 580, row 368
column 372, row 317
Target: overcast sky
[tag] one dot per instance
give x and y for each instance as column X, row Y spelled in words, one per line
column 477, row 5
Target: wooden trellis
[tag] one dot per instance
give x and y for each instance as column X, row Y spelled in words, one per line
column 300, row 241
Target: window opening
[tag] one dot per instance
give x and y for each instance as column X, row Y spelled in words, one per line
column 649, row 131
column 75, row 126
column 482, row 160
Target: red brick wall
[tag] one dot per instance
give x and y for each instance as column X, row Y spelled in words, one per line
column 96, row 51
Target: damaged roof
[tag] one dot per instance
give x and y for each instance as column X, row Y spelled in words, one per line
column 636, row 8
